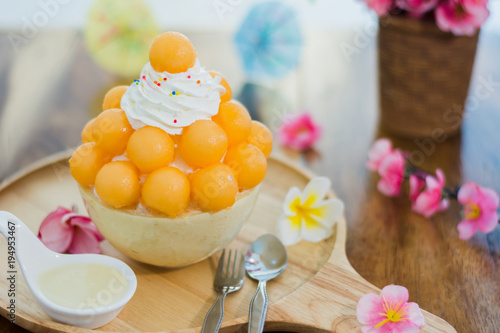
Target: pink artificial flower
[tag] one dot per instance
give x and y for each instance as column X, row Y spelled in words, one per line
column 379, row 150
column 391, row 169
column 381, row 7
column 473, row 6
column 461, row 17
column 430, row 200
column 417, row 7
column 417, row 184
column 65, row 231
column 389, row 313
column 299, row 131
column 481, row 205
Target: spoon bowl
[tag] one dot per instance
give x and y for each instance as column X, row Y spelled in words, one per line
column 266, row 259
column 34, row 258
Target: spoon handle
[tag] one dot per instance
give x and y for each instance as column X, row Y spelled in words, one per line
column 213, row 320
column 258, row 309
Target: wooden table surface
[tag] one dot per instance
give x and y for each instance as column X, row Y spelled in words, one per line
column 51, row 87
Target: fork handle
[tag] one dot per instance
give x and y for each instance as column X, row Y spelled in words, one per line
column 213, row 320
column 258, row 309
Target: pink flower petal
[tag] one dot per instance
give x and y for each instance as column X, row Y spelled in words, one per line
column 392, row 171
column 84, row 241
column 54, row 233
column 299, row 131
column 379, row 149
column 395, row 294
column 381, row 7
column 373, row 329
column 404, row 326
column 416, row 187
column 487, row 222
column 468, row 192
column 489, row 199
column 466, row 229
column 369, row 309
column 457, row 17
column 415, row 314
column 86, row 223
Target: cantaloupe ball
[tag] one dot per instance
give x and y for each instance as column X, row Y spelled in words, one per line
column 235, row 120
column 86, row 162
column 150, row 148
column 113, row 98
column 167, row 190
column 117, row 184
column 111, row 131
column 203, row 143
column 248, row 163
column 87, row 131
column 172, row 52
column 213, row 188
column 260, row 136
column 223, row 82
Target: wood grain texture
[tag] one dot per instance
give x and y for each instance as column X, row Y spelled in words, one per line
column 318, row 276
column 386, row 242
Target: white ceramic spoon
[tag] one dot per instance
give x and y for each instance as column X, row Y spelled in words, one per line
column 34, row 258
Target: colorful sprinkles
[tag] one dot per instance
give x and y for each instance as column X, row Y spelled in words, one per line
column 198, row 81
column 136, row 82
column 189, row 76
column 175, row 121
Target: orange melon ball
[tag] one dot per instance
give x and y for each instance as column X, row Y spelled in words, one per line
column 167, row 190
column 150, row 148
column 113, row 98
column 117, row 184
column 111, row 131
column 248, row 163
column 260, row 136
column 172, row 52
column 202, row 143
column 223, row 82
column 86, row 162
column 235, row 120
column 213, row 188
column 87, row 131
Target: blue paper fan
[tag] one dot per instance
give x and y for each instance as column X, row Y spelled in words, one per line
column 269, row 40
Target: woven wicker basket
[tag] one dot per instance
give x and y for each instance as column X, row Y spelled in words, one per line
column 423, row 73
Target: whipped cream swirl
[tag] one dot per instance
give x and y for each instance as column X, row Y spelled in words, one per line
column 172, row 101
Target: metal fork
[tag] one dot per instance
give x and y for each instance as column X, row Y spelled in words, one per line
column 229, row 278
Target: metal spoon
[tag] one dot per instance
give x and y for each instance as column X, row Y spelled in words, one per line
column 266, row 259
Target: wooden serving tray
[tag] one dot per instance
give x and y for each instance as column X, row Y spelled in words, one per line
column 317, row 292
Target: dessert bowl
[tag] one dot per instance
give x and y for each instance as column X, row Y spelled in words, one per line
column 169, row 242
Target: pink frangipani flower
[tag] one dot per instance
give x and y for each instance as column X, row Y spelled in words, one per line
column 299, row 131
column 381, row 7
column 379, row 150
column 390, row 312
column 417, row 7
column 65, row 231
column 481, row 205
column 431, row 200
column 391, row 169
column 461, row 17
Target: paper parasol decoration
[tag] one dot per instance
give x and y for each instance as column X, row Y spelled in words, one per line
column 269, row 40
column 118, row 34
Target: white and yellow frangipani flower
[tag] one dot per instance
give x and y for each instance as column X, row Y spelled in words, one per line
column 307, row 215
